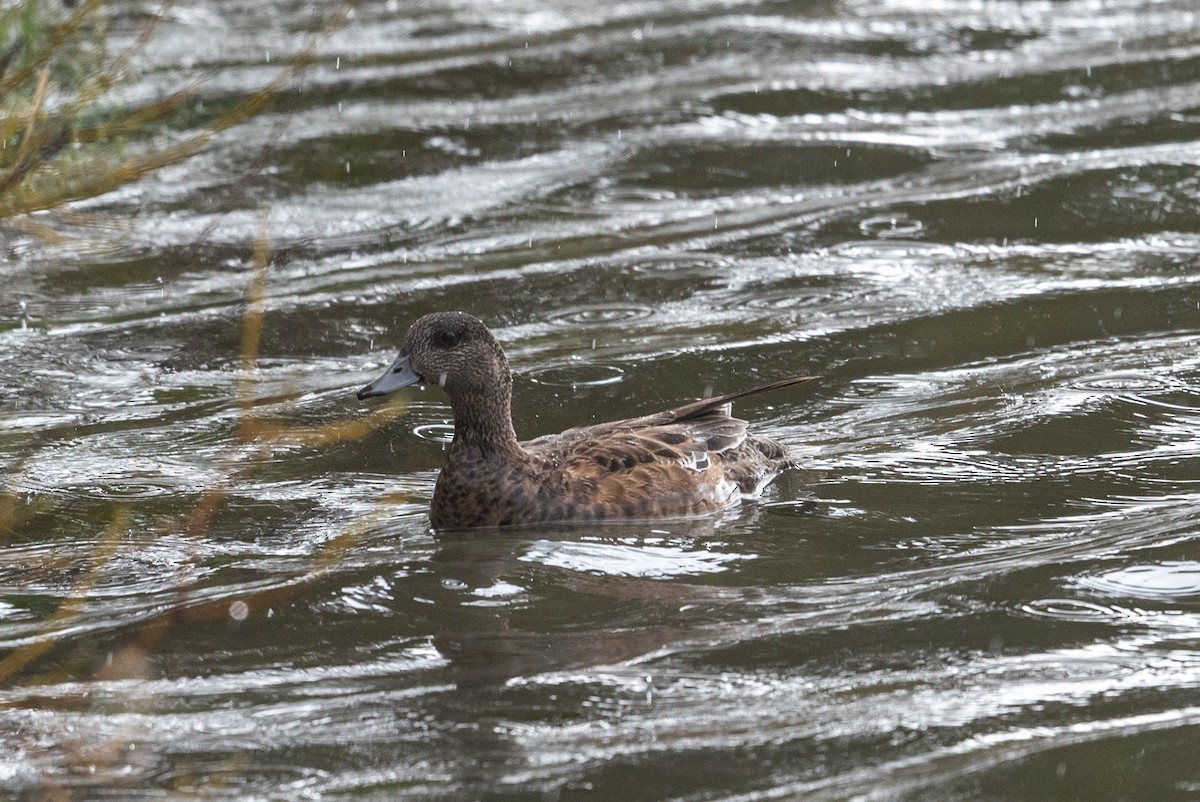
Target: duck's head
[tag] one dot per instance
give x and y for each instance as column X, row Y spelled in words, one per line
column 451, row 349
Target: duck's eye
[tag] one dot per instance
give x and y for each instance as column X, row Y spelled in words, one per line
column 448, row 338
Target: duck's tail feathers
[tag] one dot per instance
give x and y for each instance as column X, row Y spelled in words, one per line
column 698, row 408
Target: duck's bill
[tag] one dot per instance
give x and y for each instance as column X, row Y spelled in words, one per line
column 399, row 374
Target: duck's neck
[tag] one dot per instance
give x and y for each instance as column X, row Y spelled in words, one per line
column 483, row 422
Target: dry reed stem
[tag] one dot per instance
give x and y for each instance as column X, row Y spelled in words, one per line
column 39, row 97
column 78, row 181
column 43, row 232
column 249, row 428
column 26, row 156
column 10, row 506
column 106, row 546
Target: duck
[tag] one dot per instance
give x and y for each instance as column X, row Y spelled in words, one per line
column 692, row 460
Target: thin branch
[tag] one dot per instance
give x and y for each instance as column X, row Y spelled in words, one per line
column 27, row 153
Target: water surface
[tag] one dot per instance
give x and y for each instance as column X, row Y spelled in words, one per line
column 977, row 222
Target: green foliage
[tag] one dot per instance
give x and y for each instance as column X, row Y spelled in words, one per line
column 53, row 70
column 61, row 136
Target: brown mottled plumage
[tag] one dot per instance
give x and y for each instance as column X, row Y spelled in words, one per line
column 685, row 461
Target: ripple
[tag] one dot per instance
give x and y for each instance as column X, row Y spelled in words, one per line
column 892, row 227
column 799, row 507
column 435, row 432
column 432, row 421
column 577, row 375
column 599, row 314
column 1075, row 610
column 632, row 199
column 210, row 776
column 1165, row 580
column 1122, row 383
column 786, row 299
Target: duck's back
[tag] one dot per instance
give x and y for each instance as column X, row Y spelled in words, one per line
column 658, row 466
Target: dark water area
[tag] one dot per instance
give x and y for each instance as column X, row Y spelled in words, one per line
column 979, row 223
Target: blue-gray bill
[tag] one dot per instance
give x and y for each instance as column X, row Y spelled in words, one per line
column 399, row 374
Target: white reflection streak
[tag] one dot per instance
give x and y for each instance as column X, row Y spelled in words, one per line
column 897, row 778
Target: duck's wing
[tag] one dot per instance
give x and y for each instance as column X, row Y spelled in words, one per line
column 694, row 452
column 623, row 471
column 705, row 424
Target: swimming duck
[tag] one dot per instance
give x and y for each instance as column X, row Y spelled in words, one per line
column 694, row 459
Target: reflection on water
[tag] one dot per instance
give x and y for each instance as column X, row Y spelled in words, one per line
column 1168, row 580
column 648, row 559
column 977, row 223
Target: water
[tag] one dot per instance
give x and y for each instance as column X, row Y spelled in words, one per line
column 977, row 223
